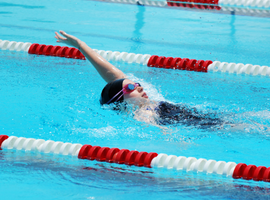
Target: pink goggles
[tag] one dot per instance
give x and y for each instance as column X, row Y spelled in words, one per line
column 128, row 88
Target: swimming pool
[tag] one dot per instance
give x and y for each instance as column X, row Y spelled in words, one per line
column 57, row 98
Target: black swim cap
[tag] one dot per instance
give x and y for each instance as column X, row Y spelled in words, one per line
column 110, row 90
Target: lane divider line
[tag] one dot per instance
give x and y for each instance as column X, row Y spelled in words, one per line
column 139, row 159
column 143, row 59
column 242, row 6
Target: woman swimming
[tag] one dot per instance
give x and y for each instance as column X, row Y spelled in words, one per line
column 120, row 89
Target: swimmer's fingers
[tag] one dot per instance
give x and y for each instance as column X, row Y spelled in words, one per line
column 67, row 36
column 63, row 33
column 59, row 37
column 67, row 39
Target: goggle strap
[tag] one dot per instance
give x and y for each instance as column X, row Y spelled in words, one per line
column 116, row 96
column 120, row 97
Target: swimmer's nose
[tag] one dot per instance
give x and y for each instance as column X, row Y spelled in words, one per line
column 139, row 89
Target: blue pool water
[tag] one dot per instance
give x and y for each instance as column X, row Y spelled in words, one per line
column 58, row 99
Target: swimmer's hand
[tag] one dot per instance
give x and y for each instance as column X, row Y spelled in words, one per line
column 68, row 39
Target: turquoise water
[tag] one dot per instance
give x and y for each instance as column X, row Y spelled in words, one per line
column 57, row 98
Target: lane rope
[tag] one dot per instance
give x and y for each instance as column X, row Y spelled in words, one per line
column 143, row 59
column 242, row 6
column 139, row 159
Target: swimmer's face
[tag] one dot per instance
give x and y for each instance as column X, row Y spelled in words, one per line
column 137, row 93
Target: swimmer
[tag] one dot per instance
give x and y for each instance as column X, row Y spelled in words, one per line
column 120, row 90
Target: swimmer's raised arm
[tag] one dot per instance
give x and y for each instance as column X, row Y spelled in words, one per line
column 106, row 70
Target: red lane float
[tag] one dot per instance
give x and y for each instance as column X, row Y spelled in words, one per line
column 249, row 172
column 258, row 173
column 101, row 156
column 198, row 4
column 179, row 63
column 49, row 50
column 115, row 155
column 2, row 139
